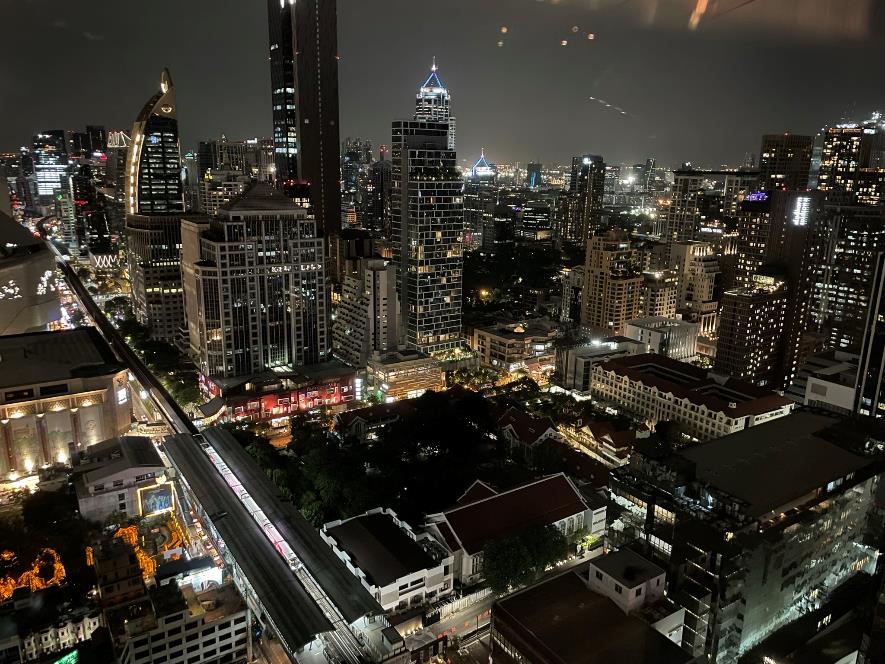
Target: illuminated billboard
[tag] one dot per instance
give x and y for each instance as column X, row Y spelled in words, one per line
column 156, row 499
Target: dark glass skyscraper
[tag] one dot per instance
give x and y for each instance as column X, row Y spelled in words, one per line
column 154, row 205
column 282, row 84
column 304, row 91
column 153, row 165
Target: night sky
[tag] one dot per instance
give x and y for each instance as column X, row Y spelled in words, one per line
column 703, row 95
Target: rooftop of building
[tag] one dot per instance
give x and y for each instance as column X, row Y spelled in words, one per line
column 627, row 567
column 261, row 197
column 400, row 357
column 282, row 378
column 527, row 428
column 380, row 548
column 657, row 322
column 564, row 621
column 735, row 398
column 776, row 463
column 117, row 454
column 177, row 566
column 43, row 357
column 522, row 329
column 505, row 514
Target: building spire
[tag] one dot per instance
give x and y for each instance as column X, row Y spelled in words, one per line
column 433, row 66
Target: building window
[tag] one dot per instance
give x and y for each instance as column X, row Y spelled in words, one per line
column 639, row 591
column 599, row 575
column 618, row 589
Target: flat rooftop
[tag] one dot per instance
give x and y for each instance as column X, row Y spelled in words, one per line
column 112, row 456
column 564, row 621
column 627, row 567
column 380, row 548
column 775, row 463
column 43, row 357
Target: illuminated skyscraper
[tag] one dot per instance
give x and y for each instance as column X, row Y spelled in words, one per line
column 785, row 161
column 154, row 205
column 613, row 284
column 255, row 286
column 432, row 103
column 304, row 94
column 847, row 148
column 50, row 162
column 427, row 223
column 585, row 197
column 282, row 83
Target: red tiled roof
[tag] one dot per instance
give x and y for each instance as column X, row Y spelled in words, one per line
column 697, row 386
column 476, row 491
column 618, row 439
column 542, row 502
column 527, row 428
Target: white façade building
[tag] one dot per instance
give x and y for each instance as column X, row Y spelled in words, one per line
column 400, row 569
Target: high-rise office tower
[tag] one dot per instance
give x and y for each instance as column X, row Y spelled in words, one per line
column 304, row 95
column 93, row 231
column 366, row 321
column 701, row 197
column 845, row 150
column 283, row 94
column 613, row 284
column 533, row 175
column 378, row 192
column 432, row 103
column 586, row 189
column 98, row 138
column 785, row 161
column 427, row 223
column 255, row 286
column 50, row 158
column 480, row 200
column 854, row 237
column 154, row 204
column 870, row 391
column 316, row 83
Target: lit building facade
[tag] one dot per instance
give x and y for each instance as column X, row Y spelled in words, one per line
column 785, row 161
column 747, row 547
column 50, row 159
column 659, row 389
column 613, row 284
column 60, row 392
column 585, row 199
column 255, row 286
column 751, row 325
column 427, row 223
column 404, row 375
column 154, row 204
column 367, row 318
column 846, row 149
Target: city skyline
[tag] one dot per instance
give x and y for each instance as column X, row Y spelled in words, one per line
column 666, row 114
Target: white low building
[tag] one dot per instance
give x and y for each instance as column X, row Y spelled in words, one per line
column 673, row 337
column 124, row 475
column 704, row 404
column 637, row 585
column 399, row 568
